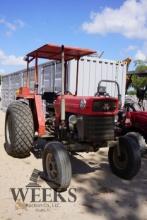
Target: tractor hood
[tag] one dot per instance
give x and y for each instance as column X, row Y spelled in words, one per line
column 88, row 105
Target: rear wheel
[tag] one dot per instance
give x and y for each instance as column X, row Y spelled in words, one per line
column 19, row 130
column 57, row 166
column 127, row 164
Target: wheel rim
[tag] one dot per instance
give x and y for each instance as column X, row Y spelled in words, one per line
column 51, row 167
column 122, row 160
column 8, row 128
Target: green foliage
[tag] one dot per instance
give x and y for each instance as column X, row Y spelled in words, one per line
column 141, row 68
column 139, row 82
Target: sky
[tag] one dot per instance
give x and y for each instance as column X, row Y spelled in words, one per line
column 119, row 28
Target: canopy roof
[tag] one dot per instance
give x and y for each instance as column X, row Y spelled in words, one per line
column 140, row 74
column 53, row 52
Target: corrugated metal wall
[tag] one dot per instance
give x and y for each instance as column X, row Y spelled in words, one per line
column 91, row 71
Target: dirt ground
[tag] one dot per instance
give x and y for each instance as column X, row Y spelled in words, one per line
column 99, row 194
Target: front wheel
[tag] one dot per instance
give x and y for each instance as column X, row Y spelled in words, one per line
column 57, row 166
column 128, row 163
column 139, row 139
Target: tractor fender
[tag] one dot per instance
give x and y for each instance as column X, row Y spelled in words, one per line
column 25, row 101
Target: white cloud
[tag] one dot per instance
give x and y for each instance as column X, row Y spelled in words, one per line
column 140, row 55
column 130, row 20
column 141, row 52
column 131, row 48
column 11, row 60
column 11, row 26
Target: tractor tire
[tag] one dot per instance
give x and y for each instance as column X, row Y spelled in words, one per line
column 19, row 130
column 138, row 138
column 128, row 164
column 57, row 166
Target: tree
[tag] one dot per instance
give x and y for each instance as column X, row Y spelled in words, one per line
column 139, row 82
column 141, row 68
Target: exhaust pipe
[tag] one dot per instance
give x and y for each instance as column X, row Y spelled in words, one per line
column 62, row 86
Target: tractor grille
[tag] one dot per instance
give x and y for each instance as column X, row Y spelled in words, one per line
column 104, row 106
column 96, row 129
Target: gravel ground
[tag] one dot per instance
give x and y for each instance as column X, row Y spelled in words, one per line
column 99, row 194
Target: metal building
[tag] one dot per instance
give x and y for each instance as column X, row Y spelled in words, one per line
column 91, row 71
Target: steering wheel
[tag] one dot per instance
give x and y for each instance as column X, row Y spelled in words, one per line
column 66, row 93
column 105, row 94
column 58, row 93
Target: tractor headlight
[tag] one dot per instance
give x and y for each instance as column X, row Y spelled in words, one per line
column 72, row 119
column 83, row 104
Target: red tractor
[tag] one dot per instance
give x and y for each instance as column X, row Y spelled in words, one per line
column 67, row 124
column 132, row 119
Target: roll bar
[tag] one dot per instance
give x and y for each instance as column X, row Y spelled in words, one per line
column 110, row 81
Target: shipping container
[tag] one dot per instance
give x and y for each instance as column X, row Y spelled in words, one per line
column 91, row 71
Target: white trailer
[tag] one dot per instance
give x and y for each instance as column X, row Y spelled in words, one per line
column 91, row 71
